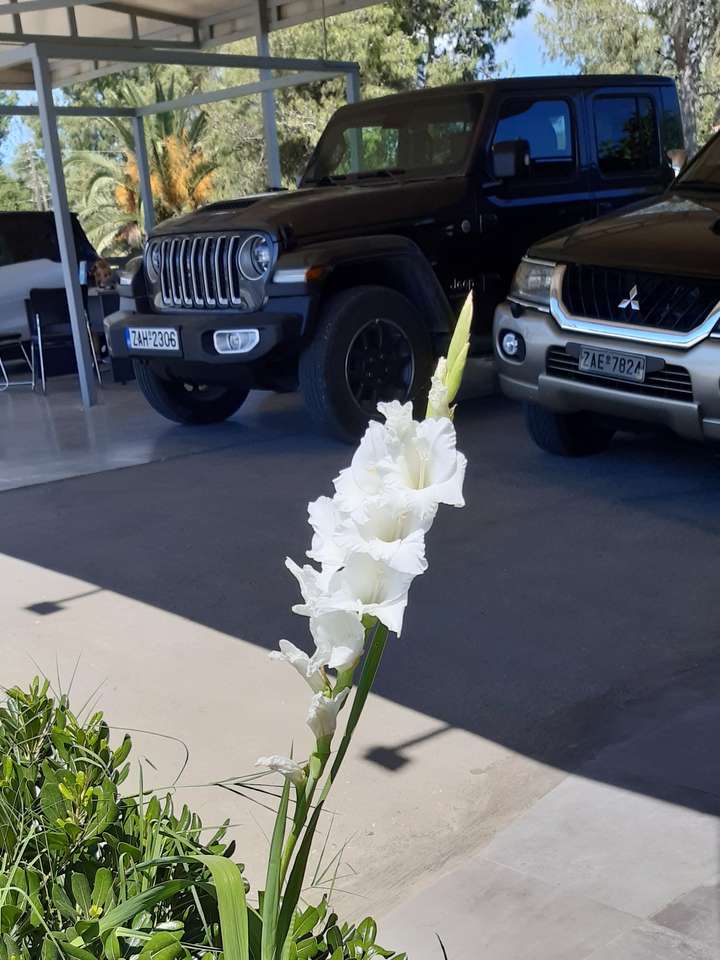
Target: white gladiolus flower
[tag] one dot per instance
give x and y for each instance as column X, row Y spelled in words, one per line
column 339, row 640
column 363, row 478
column 427, row 467
column 326, row 519
column 322, row 714
column 363, row 586
column 388, row 530
column 301, row 661
column 291, row 770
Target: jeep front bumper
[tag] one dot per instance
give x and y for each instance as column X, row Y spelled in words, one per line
column 692, row 412
column 196, row 334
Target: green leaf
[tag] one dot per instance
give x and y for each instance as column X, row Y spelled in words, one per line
column 272, row 943
column 77, row 953
column 162, row 946
column 230, row 889
column 101, row 887
column 62, row 902
column 140, row 902
column 112, row 948
column 81, row 891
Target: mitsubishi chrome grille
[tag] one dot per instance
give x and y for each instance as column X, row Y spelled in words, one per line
column 202, row 272
column 654, row 300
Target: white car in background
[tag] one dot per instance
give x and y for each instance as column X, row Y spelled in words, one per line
column 30, row 260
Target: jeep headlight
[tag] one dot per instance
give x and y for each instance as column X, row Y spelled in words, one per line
column 255, row 257
column 153, row 260
column 531, row 283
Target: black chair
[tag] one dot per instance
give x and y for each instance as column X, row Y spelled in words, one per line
column 14, row 343
column 51, row 335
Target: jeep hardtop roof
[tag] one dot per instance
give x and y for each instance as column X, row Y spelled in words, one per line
column 511, row 83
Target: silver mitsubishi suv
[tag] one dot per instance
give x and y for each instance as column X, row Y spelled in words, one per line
column 617, row 321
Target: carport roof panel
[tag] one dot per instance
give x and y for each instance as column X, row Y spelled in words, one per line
column 183, row 23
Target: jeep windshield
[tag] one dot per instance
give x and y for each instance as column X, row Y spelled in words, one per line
column 393, row 140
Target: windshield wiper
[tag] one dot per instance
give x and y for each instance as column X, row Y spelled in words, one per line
column 706, row 185
column 392, row 173
column 327, row 180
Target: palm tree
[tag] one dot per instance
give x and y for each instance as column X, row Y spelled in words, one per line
column 180, row 175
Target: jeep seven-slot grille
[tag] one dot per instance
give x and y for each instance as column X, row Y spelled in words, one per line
column 671, row 383
column 655, row 300
column 202, row 273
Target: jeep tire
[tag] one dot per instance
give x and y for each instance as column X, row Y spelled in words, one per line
column 371, row 344
column 567, row 434
column 188, row 403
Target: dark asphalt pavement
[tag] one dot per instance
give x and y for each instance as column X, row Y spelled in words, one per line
column 566, row 593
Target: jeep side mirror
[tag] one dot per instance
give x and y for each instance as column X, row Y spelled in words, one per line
column 678, row 159
column 511, row 158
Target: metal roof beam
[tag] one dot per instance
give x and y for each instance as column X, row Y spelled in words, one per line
column 28, row 110
column 33, row 6
column 162, row 16
column 230, row 93
column 84, row 48
column 135, row 52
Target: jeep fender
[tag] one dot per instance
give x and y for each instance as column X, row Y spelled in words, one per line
column 385, row 260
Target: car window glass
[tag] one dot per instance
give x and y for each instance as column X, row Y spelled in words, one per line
column 626, row 134
column 547, row 127
column 431, row 137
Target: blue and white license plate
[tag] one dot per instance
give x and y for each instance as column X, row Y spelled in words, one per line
column 153, row 339
column 612, row 363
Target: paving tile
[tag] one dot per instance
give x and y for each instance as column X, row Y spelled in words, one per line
column 623, row 849
column 696, row 915
column 488, row 912
column 650, row 942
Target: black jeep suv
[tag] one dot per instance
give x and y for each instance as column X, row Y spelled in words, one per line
column 349, row 286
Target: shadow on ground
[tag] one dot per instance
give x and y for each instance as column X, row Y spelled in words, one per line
column 572, row 602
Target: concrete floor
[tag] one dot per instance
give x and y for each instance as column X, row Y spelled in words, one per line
column 568, row 611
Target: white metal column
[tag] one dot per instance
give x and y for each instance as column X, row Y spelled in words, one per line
column 272, row 148
column 63, row 225
column 143, row 168
column 352, row 86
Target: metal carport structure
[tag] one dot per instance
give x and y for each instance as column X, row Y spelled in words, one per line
column 48, row 44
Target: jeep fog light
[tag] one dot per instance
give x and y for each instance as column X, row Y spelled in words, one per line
column 512, row 345
column 236, row 341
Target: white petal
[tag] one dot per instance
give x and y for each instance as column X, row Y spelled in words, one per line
column 285, row 766
column 301, row 662
column 325, row 519
column 322, row 713
column 339, row 639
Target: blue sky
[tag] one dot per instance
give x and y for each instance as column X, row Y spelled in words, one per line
column 524, row 51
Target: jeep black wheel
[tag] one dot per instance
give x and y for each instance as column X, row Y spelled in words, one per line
column 371, row 345
column 567, row 434
column 188, row 402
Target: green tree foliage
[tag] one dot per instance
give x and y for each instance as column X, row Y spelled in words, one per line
column 457, row 40
column 678, row 38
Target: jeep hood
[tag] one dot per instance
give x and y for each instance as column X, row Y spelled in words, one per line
column 678, row 232
column 326, row 212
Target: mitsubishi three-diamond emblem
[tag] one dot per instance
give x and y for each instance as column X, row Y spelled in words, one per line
column 631, row 300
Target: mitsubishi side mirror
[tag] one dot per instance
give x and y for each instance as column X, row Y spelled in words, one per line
column 678, row 159
column 511, row 158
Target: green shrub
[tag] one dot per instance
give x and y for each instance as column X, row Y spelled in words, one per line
column 88, row 874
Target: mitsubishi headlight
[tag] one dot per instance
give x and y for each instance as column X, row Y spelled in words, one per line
column 531, row 283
